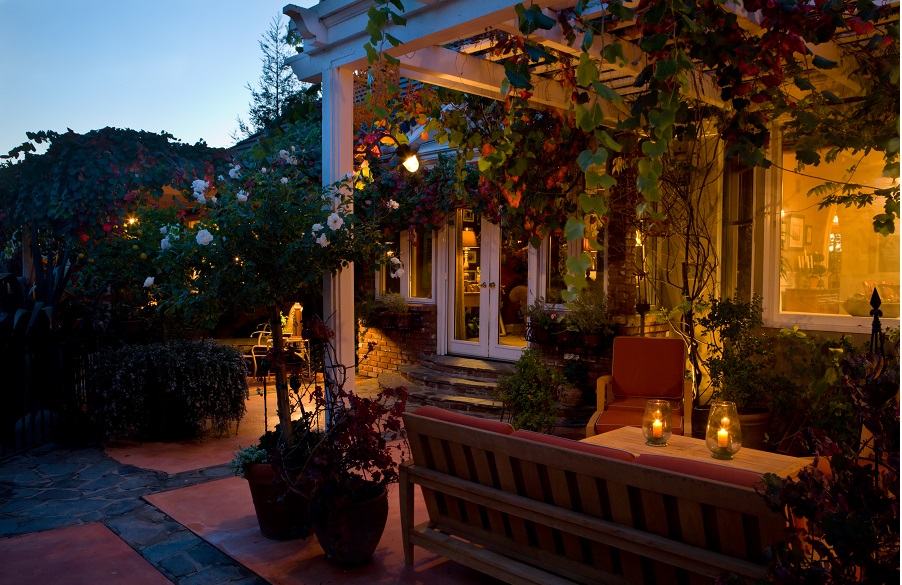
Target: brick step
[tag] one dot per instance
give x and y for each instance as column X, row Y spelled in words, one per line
column 468, row 368
column 425, row 376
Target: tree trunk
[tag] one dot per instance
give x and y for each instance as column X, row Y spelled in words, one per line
column 283, row 407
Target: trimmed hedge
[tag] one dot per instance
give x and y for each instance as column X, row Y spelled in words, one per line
column 167, row 390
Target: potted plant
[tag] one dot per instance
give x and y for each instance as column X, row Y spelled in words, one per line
column 531, row 393
column 589, row 316
column 741, row 365
column 396, row 312
column 544, row 321
column 347, row 469
column 281, row 513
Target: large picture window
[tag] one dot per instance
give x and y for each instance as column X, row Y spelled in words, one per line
column 831, row 259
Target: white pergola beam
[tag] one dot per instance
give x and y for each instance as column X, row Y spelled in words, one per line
column 334, row 30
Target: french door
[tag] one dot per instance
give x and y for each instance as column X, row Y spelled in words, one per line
column 488, row 279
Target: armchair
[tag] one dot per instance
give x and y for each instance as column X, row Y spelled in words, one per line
column 642, row 368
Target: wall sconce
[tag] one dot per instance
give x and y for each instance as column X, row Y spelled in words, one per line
column 656, row 423
column 407, row 156
column 723, row 436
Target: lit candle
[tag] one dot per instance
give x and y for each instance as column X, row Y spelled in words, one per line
column 657, row 429
column 723, row 438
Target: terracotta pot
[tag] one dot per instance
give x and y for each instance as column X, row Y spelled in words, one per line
column 279, row 518
column 571, row 397
column 350, row 534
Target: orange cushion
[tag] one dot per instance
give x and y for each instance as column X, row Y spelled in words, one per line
column 611, row 420
column 575, row 445
column 652, row 367
column 466, row 420
column 638, row 403
column 701, row 469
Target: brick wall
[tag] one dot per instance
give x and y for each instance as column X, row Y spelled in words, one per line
column 394, row 348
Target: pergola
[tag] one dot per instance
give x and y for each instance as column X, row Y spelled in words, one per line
column 449, row 43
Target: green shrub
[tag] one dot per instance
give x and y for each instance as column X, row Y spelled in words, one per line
column 167, row 390
column 531, row 393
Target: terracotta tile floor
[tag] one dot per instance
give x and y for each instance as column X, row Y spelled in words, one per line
column 79, row 555
column 221, row 512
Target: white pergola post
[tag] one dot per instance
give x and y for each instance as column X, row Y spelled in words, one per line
column 338, row 160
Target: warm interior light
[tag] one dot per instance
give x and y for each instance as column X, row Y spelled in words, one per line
column 468, row 239
column 407, row 156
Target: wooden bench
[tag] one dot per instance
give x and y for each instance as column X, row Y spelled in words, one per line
column 529, row 509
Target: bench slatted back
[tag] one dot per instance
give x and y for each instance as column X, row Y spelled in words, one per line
column 537, row 498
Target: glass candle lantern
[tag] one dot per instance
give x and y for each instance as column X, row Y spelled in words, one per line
column 656, row 423
column 723, row 436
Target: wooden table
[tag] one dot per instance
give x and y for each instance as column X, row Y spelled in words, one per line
column 630, row 439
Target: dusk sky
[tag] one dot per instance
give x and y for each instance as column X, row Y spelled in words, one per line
column 175, row 66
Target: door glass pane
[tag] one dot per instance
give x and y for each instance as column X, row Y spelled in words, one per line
column 468, row 257
column 513, row 292
column 421, row 245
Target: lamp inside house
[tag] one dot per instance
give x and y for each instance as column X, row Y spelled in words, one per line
column 468, row 241
column 723, row 436
column 656, row 423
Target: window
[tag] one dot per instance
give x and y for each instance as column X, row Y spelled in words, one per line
column 421, row 246
column 416, row 253
column 830, row 259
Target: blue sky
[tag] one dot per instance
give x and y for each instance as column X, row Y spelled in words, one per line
column 179, row 66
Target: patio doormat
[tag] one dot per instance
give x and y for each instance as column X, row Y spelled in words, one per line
column 78, row 555
column 221, row 512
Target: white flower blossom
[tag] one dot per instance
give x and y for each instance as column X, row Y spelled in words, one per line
column 322, row 241
column 213, row 199
column 283, row 154
column 200, row 198
column 164, row 243
column 148, row 282
column 293, row 149
column 204, row 237
column 391, row 204
column 242, row 196
column 397, row 273
column 263, row 170
column 293, row 161
column 317, row 227
column 233, row 171
column 395, row 260
column 200, row 186
column 220, row 178
column 163, row 230
column 335, row 221
column 284, row 180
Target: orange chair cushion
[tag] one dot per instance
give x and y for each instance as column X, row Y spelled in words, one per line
column 651, row 367
column 575, row 445
column 701, row 469
column 466, row 420
column 638, row 403
column 611, row 420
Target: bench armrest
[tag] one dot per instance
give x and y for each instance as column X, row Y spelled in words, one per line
column 603, row 389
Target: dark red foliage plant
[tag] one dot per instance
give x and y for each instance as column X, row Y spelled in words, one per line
column 843, row 517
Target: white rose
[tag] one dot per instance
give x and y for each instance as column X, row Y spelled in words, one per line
column 164, row 243
column 322, row 241
column 200, row 198
column 163, row 230
column 233, row 172
column 391, row 204
column 293, row 149
column 148, row 282
column 204, row 237
column 213, row 199
column 199, row 186
column 317, row 227
column 242, row 196
column 283, row 154
column 293, row 160
column 397, row 273
column 263, row 170
column 335, row 221
column 284, row 180
column 395, row 260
